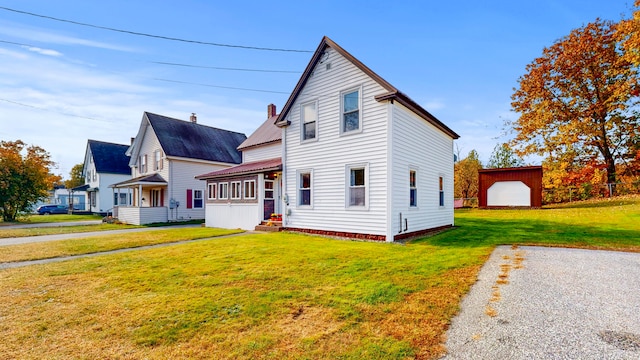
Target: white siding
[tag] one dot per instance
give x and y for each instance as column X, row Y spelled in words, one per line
column 331, row 152
column 105, row 193
column 263, row 152
column 233, row 216
column 148, row 146
column 420, row 146
column 180, row 178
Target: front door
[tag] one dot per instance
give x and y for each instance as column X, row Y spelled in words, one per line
column 269, row 198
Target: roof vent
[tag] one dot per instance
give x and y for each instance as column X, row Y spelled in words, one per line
column 193, row 118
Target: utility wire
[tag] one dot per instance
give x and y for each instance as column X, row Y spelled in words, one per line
column 221, row 87
column 52, row 111
column 151, row 35
column 224, row 68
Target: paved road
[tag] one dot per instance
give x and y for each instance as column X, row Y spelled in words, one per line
column 562, row 304
column 42, row 238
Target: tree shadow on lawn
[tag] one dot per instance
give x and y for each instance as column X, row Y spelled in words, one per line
column 470, row 232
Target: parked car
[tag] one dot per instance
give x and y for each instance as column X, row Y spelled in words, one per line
column 52, row 209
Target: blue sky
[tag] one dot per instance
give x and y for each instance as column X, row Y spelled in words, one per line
column 61, row 83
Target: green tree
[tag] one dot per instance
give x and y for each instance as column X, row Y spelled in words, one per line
column 578, row 98
column 76, row 178
column 466, row 176
column 504, row 157
column 24, row 177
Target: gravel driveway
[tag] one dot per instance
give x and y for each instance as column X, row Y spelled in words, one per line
column 551, row 303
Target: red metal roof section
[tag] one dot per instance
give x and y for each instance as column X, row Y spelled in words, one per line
column 265, row 134
column 244, row 169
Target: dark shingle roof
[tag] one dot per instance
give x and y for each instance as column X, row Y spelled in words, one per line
column 109, row 157
column 194, row 141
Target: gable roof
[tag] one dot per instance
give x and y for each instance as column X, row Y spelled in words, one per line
column 392, row 93
column 109, row 157
column 191, row 140
column 266, row 133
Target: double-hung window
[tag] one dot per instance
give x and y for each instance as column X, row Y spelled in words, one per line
column 304, row 188
column 413, row 188
column 235, row 190
column 350, row 111
column 157, row 160
column 143, row 164
column 309, row 120
column 357, row 186
column 223, row 191
column 197, row 199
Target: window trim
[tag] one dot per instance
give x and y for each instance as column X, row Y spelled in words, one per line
column 342, row 112
column 223, row 187
column 195, row 198
column 414, row 188
column 214, row 192
column 143, row 164
column 238, row 188
column 441, row 201
column 303, row 122
column 244, row 189
column 347, row 183
column 158, row 163
column 299, row 188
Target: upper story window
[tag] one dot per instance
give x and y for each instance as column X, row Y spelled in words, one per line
column 309, row 120
column 157, row 160
column 350, row 117
column 143, row 164
column 413, row 188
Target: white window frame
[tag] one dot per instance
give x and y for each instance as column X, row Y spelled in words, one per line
column 213, row 190
column 252, row 192
column 348, row 186
column 236, row 190
column 413, row 187
column 143, row 164
column 304, row 121
column 158, row 162
column 272, row 189
column 223, row 191
column 299, row 188
column 343, row 131
column 196, row 197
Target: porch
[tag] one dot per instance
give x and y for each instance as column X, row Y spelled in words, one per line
column 147, row 203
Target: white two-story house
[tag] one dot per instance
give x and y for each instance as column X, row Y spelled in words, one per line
column 165, row 157
column 105, row 164
column 360, row 158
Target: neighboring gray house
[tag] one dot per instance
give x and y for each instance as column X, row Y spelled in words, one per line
column 105, row 164
column 165, row 157
column 360, row 158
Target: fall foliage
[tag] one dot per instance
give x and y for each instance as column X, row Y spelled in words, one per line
column 24, row 177
column 466, row 176
column 576, row 102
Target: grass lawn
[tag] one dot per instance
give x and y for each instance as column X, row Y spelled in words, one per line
column 280, row 296
column 32, row 219
column 93, row 244
column 52, row 230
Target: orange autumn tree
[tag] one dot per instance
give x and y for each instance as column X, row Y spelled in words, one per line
column 579, row 98
column 24, row 177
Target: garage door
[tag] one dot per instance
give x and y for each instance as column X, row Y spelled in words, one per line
column 509, row 193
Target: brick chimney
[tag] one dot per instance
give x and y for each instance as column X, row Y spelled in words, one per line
column 193, row 118
column 271, row 111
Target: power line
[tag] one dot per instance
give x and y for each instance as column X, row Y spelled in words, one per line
column 224, row 68
column 52, row 111
column 151, row 35
column 221, row 87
